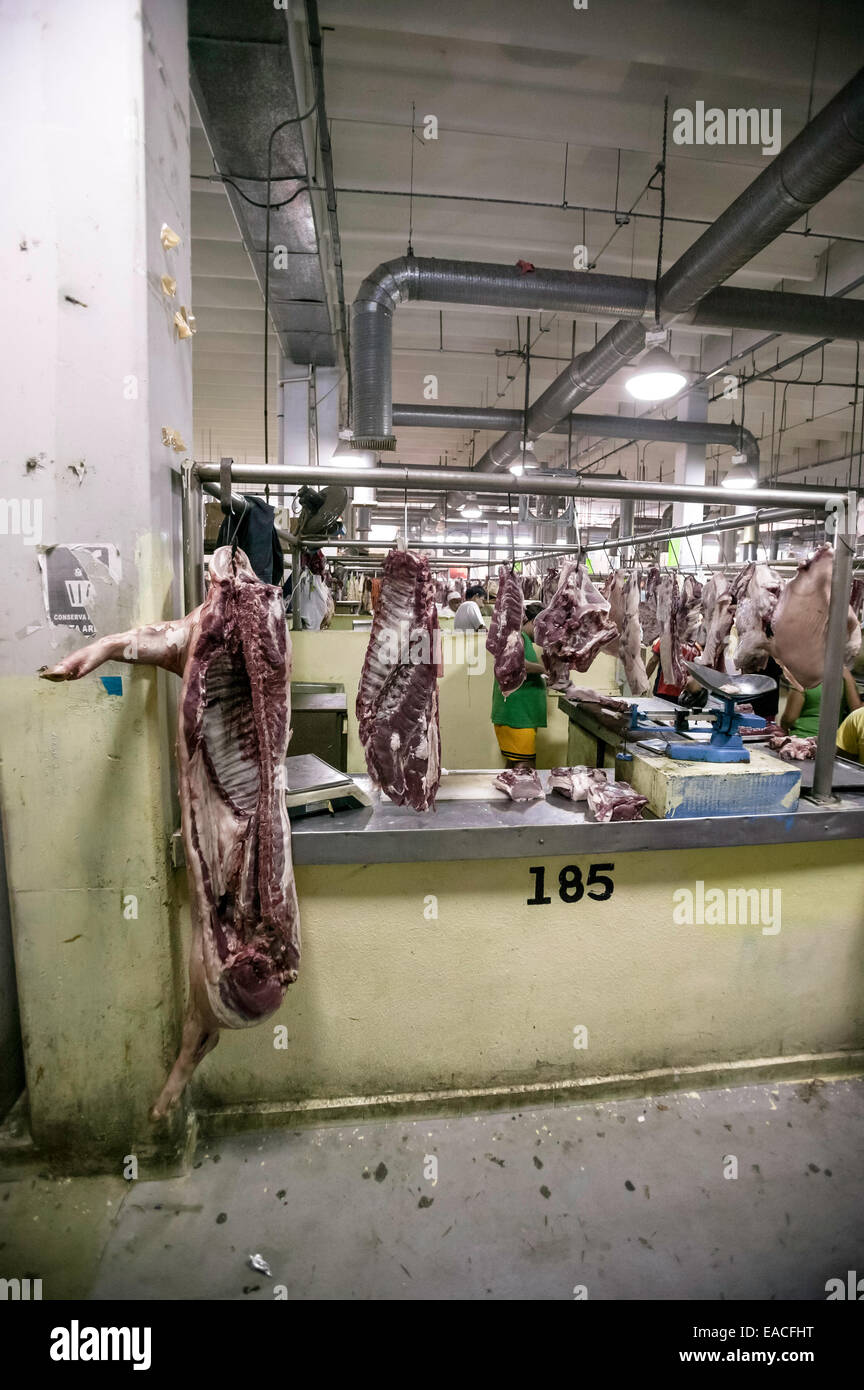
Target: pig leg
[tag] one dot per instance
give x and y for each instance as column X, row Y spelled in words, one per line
column 155, row 644
column 199, row 1038
column 200, row 1035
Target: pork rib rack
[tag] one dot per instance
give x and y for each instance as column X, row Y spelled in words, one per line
column 397, row 699
column 234, row 658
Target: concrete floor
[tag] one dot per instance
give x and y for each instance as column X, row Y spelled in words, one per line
column 627, row 1199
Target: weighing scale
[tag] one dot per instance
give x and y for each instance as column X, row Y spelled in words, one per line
column 725, row 744
column 311, row 785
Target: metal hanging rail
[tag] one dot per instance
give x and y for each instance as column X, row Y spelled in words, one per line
column 842, row 502
column 582, row 485
column 701, row 528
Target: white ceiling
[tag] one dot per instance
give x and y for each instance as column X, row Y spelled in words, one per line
column 520, row 92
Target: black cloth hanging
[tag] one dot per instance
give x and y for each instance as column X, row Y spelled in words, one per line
column 256, row 537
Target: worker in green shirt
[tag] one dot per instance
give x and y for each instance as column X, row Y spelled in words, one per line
column 801, row 711
column 518, row 718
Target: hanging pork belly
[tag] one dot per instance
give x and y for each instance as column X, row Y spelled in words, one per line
column 504, row 639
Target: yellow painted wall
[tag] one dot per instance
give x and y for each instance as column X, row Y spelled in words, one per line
column 87, row 847
column 467, row 736
column 489, row 992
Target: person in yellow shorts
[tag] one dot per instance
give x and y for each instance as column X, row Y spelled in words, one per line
column 850, row 735
column 517, row 719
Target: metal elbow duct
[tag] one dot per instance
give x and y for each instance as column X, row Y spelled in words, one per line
column 820, row 157
column 460, row 282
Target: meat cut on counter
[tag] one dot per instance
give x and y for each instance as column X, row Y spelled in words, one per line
column 521, row 782
column 614, row 801
column 573, row 782
column 573, row 627
column 800, row 621
column 791, row 748
column 397, row 699
column 504, row 638
column 234, row 658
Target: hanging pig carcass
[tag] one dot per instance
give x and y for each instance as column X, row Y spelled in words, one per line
column 234, row 658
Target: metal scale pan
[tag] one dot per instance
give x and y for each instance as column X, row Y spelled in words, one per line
column 727, row 687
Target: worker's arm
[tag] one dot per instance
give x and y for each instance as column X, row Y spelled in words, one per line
column 652, row 664
column 536, row 668
column 853, row 699
column 792, row 709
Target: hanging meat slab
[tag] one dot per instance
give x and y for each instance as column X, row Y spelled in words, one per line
column 397, row 699
column 718, row 614
column 624, row 606
column 800, row 621
column 504, row 638
column 671, row 637
column 755, row 593
column 234, row 658
column 648, row 607
column 574, row 627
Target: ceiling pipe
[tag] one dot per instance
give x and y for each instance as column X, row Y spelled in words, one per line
column 576, row 292
column 804, row 315
column 822, row 155
column 606, row 426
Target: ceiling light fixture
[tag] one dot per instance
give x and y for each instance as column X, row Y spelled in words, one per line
column 657, row 377
column 344, row 456
column 527, row 459
column 470, row 508
column 742, row 473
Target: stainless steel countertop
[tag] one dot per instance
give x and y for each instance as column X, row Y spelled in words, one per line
column 497, row 828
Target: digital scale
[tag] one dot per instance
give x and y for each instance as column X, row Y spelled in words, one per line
column 725, row 744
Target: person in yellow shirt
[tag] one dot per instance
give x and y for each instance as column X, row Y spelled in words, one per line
column 850, row 735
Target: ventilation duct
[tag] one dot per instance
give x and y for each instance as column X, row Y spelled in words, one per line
column 575, row 292
column 604, row 426
column 820, row 157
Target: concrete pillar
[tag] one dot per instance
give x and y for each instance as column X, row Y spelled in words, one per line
column 94, row 103
column 690, row 468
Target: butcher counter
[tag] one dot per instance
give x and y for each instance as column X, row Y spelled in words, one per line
column 493, row 953
column 474, row 821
